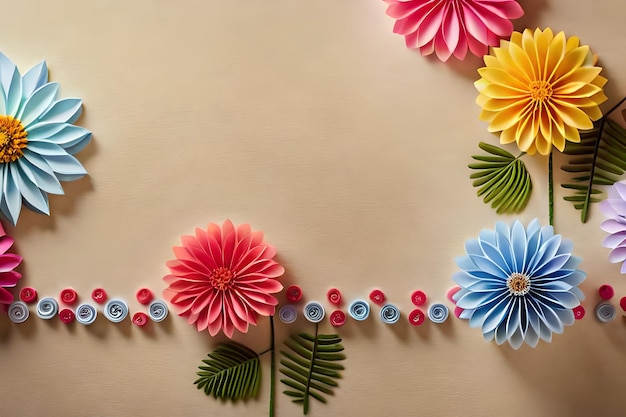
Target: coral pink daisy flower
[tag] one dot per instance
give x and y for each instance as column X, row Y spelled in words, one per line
column 8, row 262
column 450, row 27
column 223, row 278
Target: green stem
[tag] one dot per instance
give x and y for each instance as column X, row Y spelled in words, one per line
column 273, row 368
column 550, row 191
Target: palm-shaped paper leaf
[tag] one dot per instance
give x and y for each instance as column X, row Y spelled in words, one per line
column 503, row 179
column 232, row 372
column 311, row 367
column 598, row 159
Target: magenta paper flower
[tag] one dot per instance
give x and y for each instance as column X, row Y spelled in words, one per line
column 223, row 278
column 450, row 27
column 8, row 262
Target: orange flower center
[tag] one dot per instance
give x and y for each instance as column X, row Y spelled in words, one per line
column 518, row 284
column 540, row 91
column 221, row 278
column 12, row 139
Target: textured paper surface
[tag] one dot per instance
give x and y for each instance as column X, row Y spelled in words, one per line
column 312, row 122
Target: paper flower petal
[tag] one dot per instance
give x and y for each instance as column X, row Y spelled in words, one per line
column 533, row 299
column 538, row 90
column 451, row 27
column 37, row 139
column 614, row 208
column 223, row 278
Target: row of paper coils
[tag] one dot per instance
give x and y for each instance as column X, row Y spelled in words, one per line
column 115, row 310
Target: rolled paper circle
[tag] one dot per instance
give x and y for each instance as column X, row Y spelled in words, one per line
column 144, row 296
column 579, row 312
column 438, row 313
column 622, row 303
column 416, row 317
column 28, row 294
column 337, row 318
column 86, row 314
column 294, row 293
column 377, row 296
column 334, row 296
column 47, row 308
column 389, row 314
column 606, row 292
column 418, row 298
column 359, row 310
column 451, row 293
column 69, row 296
column 314, row 312
column 157, row 310
column 66, row 315
column 99, row 295
column 605, row 312
column 140, row 318
column 18, row 312
column 287, row 314
column 116, row 310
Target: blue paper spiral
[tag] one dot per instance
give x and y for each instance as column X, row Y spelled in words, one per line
column 18, row 312
column 86, row 314
column 389, row 314
column 158, row 310
column 116, row 310
column 314, row 312
column 47, row 308
column 287, row 314
column 438, row 313
column 359, row 310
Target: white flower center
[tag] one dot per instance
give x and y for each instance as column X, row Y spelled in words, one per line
column 518, row 284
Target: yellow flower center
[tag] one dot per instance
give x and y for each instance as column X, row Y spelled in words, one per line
column 12, row 139
column 540, row 91
column 221, row 278
column 518, row 284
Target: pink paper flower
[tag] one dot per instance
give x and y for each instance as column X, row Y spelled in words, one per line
column 8, row 262
column 450, row 27
column 223, row 278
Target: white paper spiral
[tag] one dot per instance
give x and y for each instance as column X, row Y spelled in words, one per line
column 86, row 314
column 116, row 310
column 157, row 310
column 287, row 314
column 438, row 313
column 605, row 312
column 314, row 312
column 389, row 314
column 18, row 312
column 359, row 310
column 47, row 308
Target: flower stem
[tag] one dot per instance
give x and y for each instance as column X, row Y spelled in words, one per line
column 273, row 368
column 550, row 191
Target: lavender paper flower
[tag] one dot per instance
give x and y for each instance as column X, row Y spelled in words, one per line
column 519, row 284
column 614, row 208
column 37, row 139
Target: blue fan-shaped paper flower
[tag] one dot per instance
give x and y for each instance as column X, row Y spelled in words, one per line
column 37, row 139
column 519, row 284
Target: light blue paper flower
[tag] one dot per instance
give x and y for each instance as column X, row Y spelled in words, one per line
column 519, row 285
column 37, row 139
column 614, row 208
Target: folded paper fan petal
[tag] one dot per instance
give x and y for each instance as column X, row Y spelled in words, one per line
column 451, row 27
column 223, row 278
column 539, row 89
column 8, row 262
column 535, row 296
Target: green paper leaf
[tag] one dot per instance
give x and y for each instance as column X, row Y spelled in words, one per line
column 600, row 157
column 503, row 179
column 232, row 372
column 311, row 367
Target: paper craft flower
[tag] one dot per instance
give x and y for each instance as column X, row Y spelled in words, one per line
column 223, row 278
column 450, row 27
column 8, row 262
column 37, row 139
column 614, row 208
column 518, row 285
column 539, row 89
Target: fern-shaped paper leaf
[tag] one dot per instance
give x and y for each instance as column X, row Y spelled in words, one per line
column 598, row 159
column 311, row 367
column 503, row 179
column 232, row 372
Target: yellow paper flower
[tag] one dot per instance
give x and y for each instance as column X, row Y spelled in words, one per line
column 538, row 89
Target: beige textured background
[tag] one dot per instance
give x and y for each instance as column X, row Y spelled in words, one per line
column 311, row 121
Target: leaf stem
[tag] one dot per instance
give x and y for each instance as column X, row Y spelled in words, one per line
column 585, row 209
column 550, row 190
column 273, row 368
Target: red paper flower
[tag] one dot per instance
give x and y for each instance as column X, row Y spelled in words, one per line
column 8, row 262
column 223, row 278
column 450, row 27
